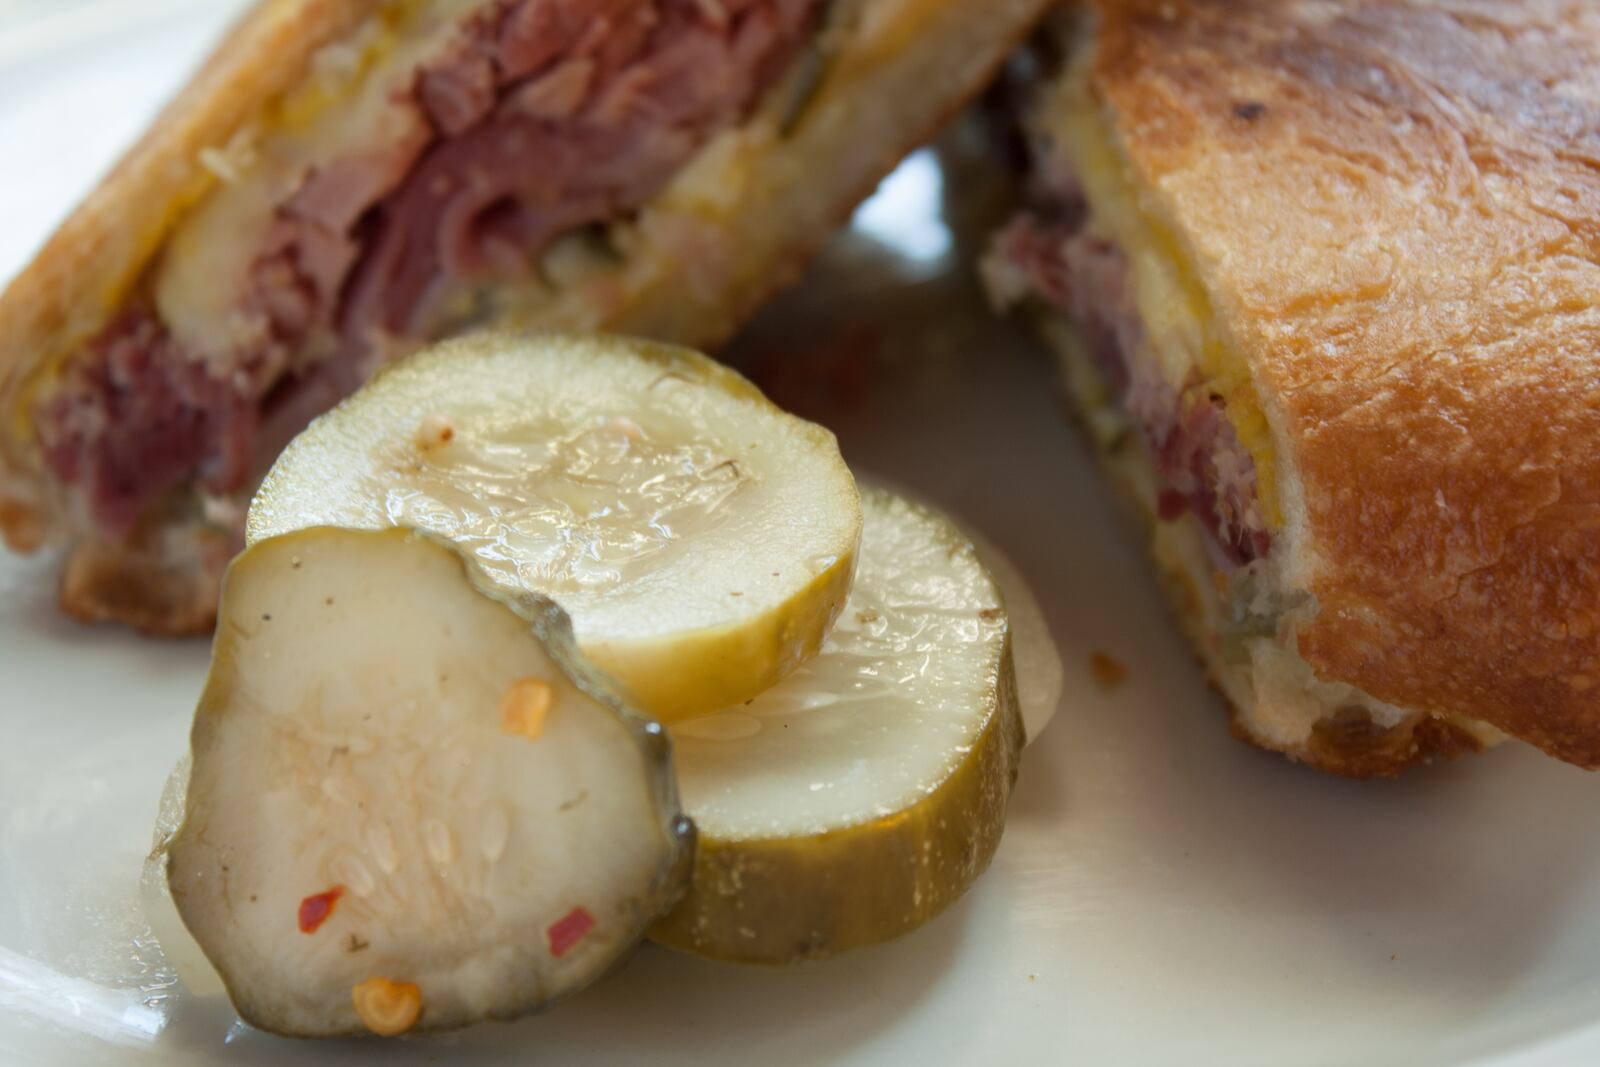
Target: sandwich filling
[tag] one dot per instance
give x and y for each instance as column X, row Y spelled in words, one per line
column 466, row 145
column 1202, row 468
column 1142, row 326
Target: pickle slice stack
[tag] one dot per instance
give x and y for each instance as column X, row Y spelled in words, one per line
column 421, row 796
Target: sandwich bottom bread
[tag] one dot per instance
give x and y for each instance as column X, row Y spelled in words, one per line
column 346, row 180
column 1324, row 279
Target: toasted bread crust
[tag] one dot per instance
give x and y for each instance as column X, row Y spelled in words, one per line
column 1359, row 750
column 160, row 595
column 1364, row 753
column 1395, row 210
column 886, row 92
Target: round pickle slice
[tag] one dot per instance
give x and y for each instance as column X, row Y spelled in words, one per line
column 702, row 540
column 863, row 794
column 411, row 805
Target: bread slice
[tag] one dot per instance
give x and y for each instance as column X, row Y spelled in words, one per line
column 1352, row 246
column 838, row 95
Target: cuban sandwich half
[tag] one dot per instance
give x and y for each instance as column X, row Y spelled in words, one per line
column 1324, row 276
column 344, row 180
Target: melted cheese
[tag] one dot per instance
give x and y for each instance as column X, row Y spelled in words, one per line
column 1180, row 323
column 343, row 108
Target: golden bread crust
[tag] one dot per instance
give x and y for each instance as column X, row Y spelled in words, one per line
column 1358, row 749
column 159, row 594
column 73, row 285
column 1395, row 209
column 1362, row 751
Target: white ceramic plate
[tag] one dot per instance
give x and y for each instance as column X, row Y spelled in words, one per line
column 1164, row 895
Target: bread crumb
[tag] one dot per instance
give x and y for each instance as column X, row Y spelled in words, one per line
column 220, row 166
column 1108, row 672
column 21, row 525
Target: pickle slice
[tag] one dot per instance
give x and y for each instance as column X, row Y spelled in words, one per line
column 863, row 794
column 702, row 540
column 412, row 805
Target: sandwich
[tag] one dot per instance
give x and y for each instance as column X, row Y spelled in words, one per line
column 344, row 180
column 1324, row 278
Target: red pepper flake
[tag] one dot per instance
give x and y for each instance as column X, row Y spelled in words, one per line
column 314, row 910
column 567, row 932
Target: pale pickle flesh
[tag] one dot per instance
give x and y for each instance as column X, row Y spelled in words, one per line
column 702, row 540
column 400, row 776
